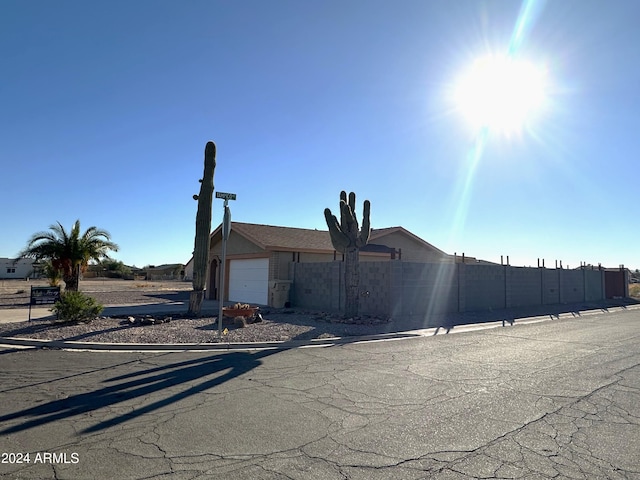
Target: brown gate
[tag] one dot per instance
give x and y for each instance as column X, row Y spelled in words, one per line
column 614, row 284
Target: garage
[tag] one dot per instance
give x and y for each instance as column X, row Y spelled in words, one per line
column 249, row 281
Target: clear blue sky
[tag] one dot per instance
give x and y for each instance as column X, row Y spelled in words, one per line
column 105, row 109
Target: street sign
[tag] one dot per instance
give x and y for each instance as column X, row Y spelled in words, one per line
column 226, row 196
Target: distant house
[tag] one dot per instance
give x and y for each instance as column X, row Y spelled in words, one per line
column 171, row 271
column 258, row 256
column 188, row 271
column 16, row 268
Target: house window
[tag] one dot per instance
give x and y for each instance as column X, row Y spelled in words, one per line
column 11, row 270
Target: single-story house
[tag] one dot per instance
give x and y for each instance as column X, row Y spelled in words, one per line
column 188, row 270
column 258, row 256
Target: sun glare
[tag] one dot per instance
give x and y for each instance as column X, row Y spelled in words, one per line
column 501, row 93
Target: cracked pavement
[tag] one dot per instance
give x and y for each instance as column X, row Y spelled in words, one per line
column 557, row 399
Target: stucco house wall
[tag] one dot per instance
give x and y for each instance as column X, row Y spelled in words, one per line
column 236, row 245
column 285, row 246
column 412, row 250
column 12, row 268
column 188, row 270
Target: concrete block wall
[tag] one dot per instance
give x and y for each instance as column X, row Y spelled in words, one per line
column 320, row 286
column 428, row 288
column 374, row 287
column 550, row 286
column 572, row 288
column 484, row 287
column 317, row 285
column 594, row 284
column 526, row 286
column 408, row 288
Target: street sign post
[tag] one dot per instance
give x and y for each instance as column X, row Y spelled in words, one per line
column 226, row 228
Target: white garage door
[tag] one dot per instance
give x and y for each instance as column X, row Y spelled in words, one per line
column 249, row 281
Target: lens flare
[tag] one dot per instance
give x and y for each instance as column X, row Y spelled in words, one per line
column 498, row 95
column 501, row 93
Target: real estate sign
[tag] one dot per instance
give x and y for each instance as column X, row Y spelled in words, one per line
column 44, row 295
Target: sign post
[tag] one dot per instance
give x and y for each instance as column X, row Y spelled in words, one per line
column 226, row 228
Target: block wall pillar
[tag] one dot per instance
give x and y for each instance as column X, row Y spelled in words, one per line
column 462, row 287
column 507, row 286
column 396, row 304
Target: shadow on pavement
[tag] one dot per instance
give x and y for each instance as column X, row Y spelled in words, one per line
column 4, row 351
column 195, row 375
column 180, row 296
column 508, row 316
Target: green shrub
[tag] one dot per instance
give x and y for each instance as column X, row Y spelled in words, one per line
column 76, row 307
column 53, row 274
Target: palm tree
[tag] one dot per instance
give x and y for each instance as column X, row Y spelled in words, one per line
column 69, row 252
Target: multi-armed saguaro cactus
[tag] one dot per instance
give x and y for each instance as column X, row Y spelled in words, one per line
column 203, row 229
column 347, row 238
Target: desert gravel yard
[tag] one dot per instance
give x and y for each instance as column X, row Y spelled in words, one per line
column 15, row 294
column 277, row 325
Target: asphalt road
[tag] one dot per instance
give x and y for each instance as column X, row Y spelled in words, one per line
column 557, row 399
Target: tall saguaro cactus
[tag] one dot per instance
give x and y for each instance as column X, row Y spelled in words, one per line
column 203, row 230
column 348, row 238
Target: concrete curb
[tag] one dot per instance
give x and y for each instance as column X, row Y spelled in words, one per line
column 178, row 347
column 286, row 345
